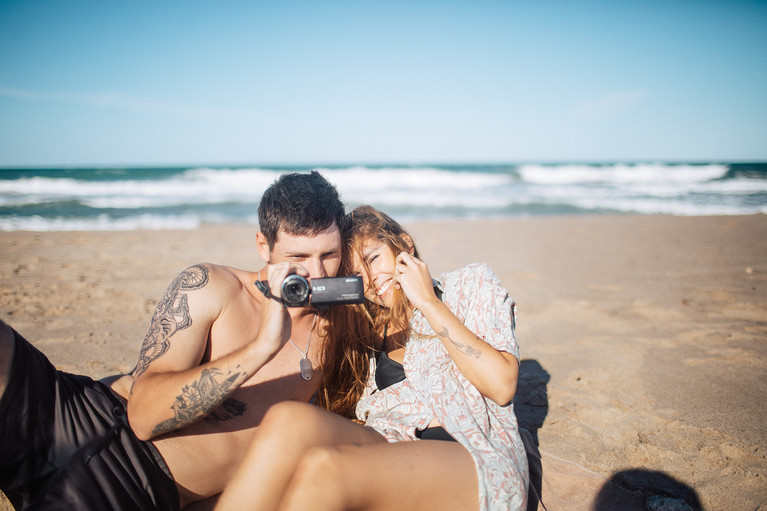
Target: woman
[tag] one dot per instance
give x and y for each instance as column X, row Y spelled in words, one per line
column 439, row 428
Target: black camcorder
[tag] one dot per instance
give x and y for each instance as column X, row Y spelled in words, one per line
column 298, row 291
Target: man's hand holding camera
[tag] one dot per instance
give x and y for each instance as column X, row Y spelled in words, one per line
column 289, row 285
column 275, row 319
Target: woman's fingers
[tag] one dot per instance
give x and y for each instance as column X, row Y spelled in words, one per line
column 404, row 259
column 413, row 276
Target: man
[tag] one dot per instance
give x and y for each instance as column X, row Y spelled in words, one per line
column 218, row 353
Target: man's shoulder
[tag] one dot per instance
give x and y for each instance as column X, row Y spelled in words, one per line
column 214, row 277
column 209, row 289
column 221, row 276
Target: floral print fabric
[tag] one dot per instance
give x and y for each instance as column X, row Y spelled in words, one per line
column 434, row 388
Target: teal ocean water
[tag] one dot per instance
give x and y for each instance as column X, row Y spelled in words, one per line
column 187, row 197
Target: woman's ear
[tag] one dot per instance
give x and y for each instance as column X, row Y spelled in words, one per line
column 263, row 247
column 408, row 242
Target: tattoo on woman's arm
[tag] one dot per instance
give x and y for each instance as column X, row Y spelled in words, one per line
column 201, row 398
column 171, row 315
column 463, row 348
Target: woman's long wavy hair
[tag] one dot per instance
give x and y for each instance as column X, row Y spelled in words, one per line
column 356, row 330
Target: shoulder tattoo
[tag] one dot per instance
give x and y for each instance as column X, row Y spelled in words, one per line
column 171, row 315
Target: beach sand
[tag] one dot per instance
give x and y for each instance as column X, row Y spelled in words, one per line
column 643, row 338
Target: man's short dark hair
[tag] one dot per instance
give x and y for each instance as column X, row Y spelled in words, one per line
column 299, row 204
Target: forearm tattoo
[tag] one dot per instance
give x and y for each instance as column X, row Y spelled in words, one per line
column 463, row 348
column 171, row 315
column 201, row 398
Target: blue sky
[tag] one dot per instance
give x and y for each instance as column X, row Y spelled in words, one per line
column 235, row 82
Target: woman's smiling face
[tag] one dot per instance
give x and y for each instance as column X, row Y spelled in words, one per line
column 376, row 265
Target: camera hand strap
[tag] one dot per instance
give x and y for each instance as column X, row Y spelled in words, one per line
column 263, row 286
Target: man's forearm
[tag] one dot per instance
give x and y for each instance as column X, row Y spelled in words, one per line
column 199, row 399
column 197, row 393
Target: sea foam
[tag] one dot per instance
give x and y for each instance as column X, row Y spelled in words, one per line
column 125, row 199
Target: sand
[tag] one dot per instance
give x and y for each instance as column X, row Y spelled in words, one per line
column 643, row 338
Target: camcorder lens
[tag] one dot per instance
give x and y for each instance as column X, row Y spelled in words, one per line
column 295, row 291
column 325, row 292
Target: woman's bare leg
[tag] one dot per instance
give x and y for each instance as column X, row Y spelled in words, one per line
column 423, row 475
column 287, row 431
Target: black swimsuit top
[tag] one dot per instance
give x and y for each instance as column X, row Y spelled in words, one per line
column 388, row 371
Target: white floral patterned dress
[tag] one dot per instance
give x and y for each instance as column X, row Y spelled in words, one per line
column 434, row 388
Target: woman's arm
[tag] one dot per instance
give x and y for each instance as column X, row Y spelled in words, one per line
column 493, row 372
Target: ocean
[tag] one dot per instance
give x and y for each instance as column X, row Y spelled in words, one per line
column 186, row 197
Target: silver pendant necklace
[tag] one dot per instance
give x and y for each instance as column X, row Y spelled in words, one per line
column 305, row 365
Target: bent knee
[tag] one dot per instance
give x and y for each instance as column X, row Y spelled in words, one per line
column 284, row 413
column 319, row 471
column 287, row 419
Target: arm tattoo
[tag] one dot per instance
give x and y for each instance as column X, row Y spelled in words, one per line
column 463, row 348
column 171, row 315
column 200, row 398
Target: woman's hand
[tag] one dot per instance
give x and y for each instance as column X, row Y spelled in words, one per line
column 414, row 278
column 494, row 373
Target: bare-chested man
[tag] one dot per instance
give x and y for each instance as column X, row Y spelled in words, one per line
column 218, row 353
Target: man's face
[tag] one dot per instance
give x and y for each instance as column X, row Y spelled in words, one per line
column 319, row 254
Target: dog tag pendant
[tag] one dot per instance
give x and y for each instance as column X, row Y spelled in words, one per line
column 307, row 371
